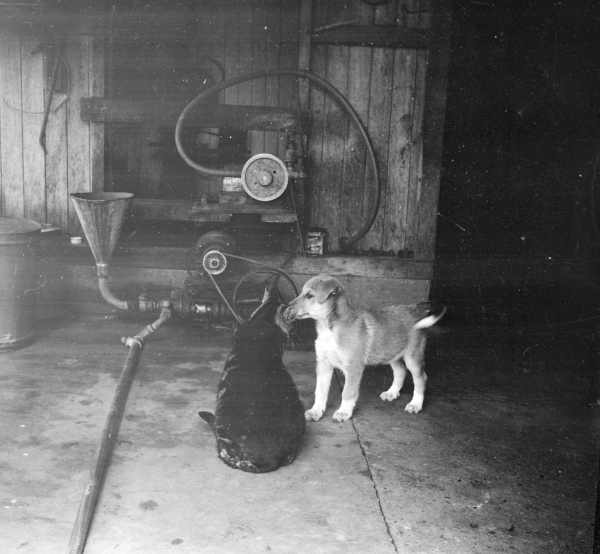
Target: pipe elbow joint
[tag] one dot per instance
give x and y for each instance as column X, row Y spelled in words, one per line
column 109, row 296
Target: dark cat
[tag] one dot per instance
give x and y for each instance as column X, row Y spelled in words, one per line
column 259, row 419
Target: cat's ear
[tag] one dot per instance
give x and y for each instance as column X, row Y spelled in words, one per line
column 271, row 296
column 266, row 295
column 272, row 290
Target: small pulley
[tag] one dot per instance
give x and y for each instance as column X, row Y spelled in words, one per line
column 207, row 255
column 264, row 177
column 214, row 262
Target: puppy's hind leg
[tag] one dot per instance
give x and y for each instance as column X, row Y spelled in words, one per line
column 414, row 359
column 415, row 366
column 393, row 392
column 352, row 378
column 324, row 374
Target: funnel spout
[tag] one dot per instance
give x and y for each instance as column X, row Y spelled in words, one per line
column 101, row 215
column 109, row 296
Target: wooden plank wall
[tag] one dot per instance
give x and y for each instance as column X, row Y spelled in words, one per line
column 34, row 185
column 243, row 37
column 255, row 36
column 385, row 85
column 387, row 88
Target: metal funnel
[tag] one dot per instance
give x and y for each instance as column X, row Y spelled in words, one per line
column 101, row 215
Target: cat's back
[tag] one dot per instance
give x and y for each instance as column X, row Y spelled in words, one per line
column 259, row 419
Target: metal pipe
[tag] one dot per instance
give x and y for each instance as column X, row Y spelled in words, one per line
column 87, row 507
column 109, row 296
column 345, row 242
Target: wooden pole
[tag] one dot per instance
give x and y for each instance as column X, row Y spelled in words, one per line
column 93, row 489
column 87, row 507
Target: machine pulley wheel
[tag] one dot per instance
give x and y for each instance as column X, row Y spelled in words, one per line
column 264, row 177
column 208, row 254
column 214, row 262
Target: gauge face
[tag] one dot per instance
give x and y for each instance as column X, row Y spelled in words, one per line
column 264, row 177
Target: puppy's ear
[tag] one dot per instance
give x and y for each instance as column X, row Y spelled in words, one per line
column 335, row 291
column 333, row 297
column 331, row 290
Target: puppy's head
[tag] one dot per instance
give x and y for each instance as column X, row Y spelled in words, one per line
column 317, row 300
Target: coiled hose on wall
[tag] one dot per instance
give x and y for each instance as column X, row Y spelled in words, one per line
column 346, row 242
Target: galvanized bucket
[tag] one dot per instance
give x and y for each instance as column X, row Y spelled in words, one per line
column 19, row 281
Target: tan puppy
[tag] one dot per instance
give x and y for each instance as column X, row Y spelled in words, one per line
column 350, row 340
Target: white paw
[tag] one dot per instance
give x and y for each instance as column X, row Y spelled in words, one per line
column 389, row 395
column 314, row 414
column 342, row 415
column 413, row 408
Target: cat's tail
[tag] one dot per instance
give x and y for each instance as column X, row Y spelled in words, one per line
column 209, row 418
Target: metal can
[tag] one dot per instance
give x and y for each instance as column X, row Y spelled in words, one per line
column 19, row 280
column 315, row 242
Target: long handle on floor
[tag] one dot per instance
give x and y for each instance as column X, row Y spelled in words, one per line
column 88, row 504
column 92, row 491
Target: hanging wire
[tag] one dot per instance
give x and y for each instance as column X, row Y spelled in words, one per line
column 53, row 81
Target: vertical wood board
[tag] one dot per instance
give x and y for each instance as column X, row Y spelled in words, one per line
column 11, row 132
column 356, row 195
column 96, row 61
column 378, row 125
column 399, row 150
column 273, row 23
column 78, row 134
column 433, row 129
column 288, row 58
column 258, row 87
column 32, row 85
column 316, row 181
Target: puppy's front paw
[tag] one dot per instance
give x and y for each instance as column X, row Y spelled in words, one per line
column 314, row 414
column 342, row 415
column 389, row 395
column 413, row 408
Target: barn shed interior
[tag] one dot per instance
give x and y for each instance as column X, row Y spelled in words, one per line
column 162, row 163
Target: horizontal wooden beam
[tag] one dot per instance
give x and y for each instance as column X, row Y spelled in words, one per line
column 96, row 22
column 174, row 257
column 126, row 24
column 166, row 112
column 157, row 209
column 389, row 36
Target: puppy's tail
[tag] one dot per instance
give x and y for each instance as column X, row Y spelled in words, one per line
column 430, row 320
column 209, row 418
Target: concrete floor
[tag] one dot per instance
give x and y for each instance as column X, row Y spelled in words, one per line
column 504, row 457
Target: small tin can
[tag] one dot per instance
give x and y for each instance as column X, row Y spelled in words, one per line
column 315, row 242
